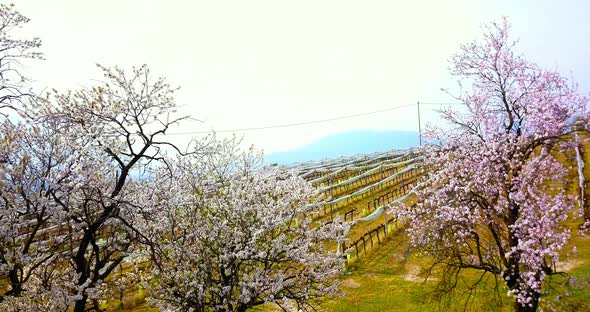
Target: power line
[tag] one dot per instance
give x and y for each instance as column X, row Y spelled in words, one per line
column 442, row 103
column 294, row 124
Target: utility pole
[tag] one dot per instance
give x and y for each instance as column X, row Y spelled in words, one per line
column 419, row 124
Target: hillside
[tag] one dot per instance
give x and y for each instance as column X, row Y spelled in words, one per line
column 391, row 277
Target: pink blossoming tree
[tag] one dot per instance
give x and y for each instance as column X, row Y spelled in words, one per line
column 495, row 202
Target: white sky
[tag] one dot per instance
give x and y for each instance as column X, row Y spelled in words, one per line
column 256, row 63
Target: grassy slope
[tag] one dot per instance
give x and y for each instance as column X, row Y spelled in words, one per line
column 390, row 279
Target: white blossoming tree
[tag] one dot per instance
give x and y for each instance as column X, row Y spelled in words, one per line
column 235, row 235
column 71, row 186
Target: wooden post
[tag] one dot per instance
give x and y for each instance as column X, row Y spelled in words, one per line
column 384, row 223
column 331, row 205
column 374, row 196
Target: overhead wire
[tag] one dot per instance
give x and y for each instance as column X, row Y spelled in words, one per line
column 305, row 122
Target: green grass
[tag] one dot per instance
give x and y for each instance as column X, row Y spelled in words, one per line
column 390, row 278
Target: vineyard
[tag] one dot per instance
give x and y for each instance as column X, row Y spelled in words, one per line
column 359, row 190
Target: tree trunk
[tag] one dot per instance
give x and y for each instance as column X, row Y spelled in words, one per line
column 80, row 305
column 16, row 286
column 531, row 307
column 242, row 308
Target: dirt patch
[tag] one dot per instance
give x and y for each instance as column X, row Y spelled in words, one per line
column 350, row 283
column 412, row 278
column 413, row 274
column 566, row 266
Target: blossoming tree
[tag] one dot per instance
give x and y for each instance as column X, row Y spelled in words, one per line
column 70, row 186
column 13, row 51
column 236, row 235
column 495, row 202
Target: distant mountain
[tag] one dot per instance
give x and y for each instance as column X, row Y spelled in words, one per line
column 347, row 144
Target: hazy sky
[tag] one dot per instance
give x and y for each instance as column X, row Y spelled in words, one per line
column 256, row 63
